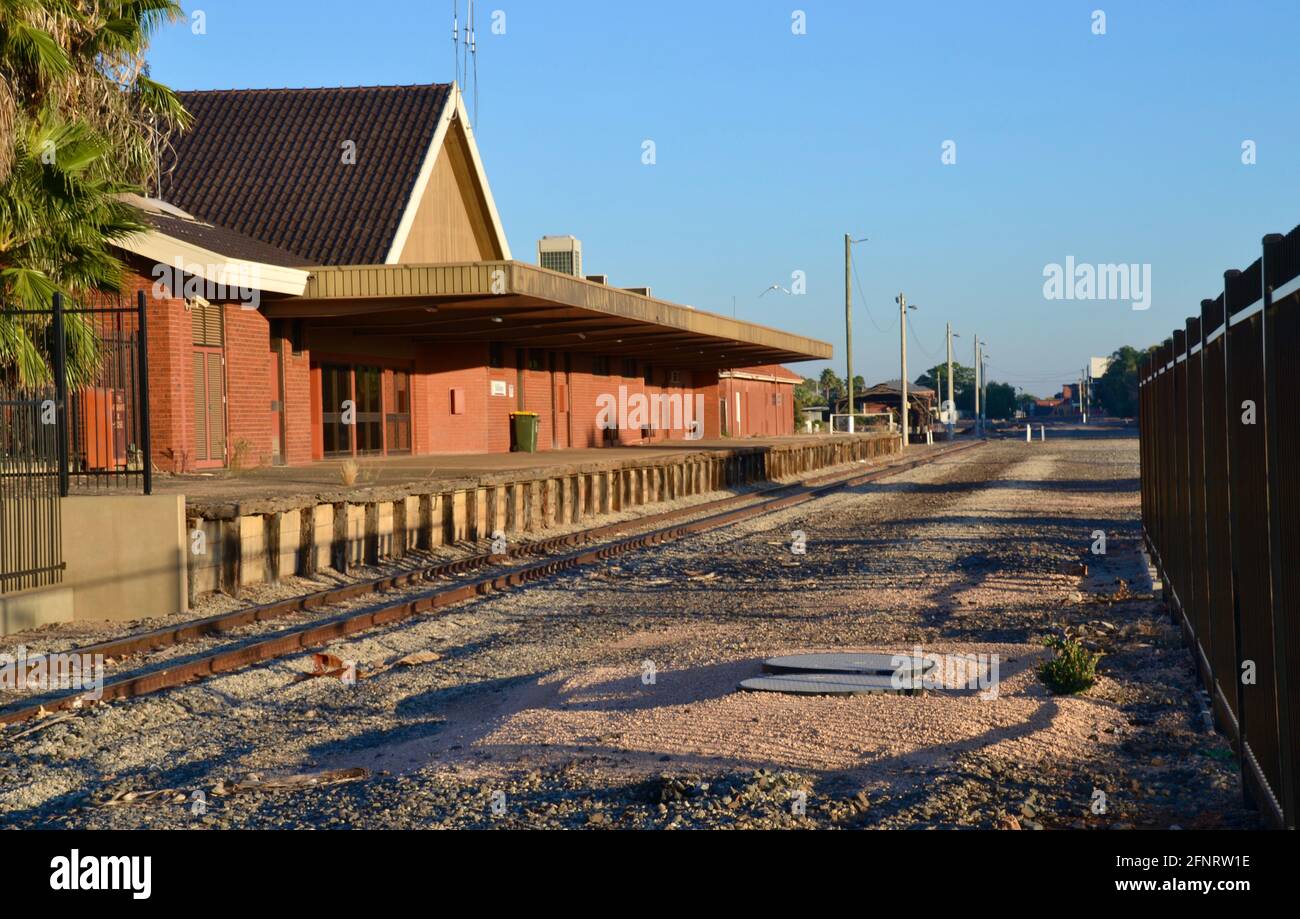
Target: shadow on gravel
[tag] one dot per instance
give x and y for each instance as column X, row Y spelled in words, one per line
column 190, row 775
column 1085, row 486
column 1084, row 524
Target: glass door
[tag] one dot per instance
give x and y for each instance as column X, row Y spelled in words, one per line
column 370, row 410
column 335, row 390
column 399, row 413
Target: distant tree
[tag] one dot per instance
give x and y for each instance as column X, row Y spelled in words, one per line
column 832, row 387
column 1001, row 399
column 1026, row 403
column 806, row 394
column 81, row 122
column 1117, row 390
column 963, row 384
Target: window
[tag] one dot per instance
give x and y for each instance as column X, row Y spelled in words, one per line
column 496, row 355
column 649, row 375
column 535, row 360
column 629, row 368
column 600, row 366
column 205, row 323
column 208, row 367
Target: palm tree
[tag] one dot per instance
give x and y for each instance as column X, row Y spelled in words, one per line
column 831, row 384
column 81, row 123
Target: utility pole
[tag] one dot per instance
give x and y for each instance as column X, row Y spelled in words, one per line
column 984, row 382
column 848, row 321
column 848, row 317
column 952, row 406
column 977, row 386
column 902, row 338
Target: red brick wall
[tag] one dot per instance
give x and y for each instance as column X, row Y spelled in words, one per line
column 247, row 374
column 170, row 363
column 248, row 388
column 297, row 406
column 589, row 387
column 436, row 371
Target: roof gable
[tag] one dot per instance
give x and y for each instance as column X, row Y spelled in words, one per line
column 273, row 164
column 451, row 215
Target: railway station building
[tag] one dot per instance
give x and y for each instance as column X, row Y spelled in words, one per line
column 327, row 275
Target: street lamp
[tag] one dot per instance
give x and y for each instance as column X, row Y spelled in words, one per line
column 951, row 405
column 984, row 382
column 903, row 307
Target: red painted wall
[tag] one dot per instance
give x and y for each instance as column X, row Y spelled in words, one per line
column 766, row 407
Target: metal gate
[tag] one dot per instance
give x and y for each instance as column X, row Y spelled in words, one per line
column 87, row 438
column 31, row 545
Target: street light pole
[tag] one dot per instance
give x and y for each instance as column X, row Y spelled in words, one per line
column 977, row 387
column 951, row 405
column 848, row 322
column 848, row 319
column 983, row 378
column 902, row 337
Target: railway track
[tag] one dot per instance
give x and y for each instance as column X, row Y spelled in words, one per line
column 662, row 528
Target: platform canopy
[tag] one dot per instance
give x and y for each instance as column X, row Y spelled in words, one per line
column 521, row 305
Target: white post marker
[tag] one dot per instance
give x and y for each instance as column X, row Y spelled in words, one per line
column 1029, row 433
column 1042, row 432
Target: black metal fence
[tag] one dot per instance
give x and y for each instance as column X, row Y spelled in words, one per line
column 30, row 539
column 1221, row 508
column 88, row 437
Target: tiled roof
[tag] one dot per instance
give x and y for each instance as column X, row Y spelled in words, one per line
column 270, row 163
column 223, row 241
column 896, row 386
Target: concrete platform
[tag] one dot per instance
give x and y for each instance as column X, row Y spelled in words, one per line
column 269, row 488
column 265, row 524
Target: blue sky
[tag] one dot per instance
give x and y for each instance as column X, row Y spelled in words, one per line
column 1122, row 147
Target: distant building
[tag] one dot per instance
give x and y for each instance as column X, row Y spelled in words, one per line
column 562, row 254
column 887, row 397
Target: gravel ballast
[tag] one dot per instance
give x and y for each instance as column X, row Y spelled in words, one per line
column 605, row 697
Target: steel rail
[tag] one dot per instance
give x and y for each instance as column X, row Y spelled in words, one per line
column 295, row 639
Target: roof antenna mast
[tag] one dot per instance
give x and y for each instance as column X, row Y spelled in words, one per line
column 473, row 53
column 455, row 38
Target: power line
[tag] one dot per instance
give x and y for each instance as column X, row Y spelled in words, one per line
column 917, row 339
column 861, row 296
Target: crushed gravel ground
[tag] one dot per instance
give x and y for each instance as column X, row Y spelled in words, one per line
column 61, row 637
column 606, row 697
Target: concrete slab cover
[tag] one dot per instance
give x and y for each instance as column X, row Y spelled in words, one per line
column 864, row 662
column 826, row 684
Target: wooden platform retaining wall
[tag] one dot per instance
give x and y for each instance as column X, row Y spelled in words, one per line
column 236, row 545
